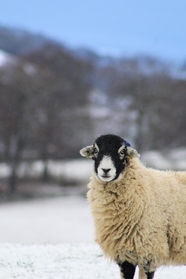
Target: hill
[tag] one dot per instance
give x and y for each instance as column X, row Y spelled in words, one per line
column 17, row 41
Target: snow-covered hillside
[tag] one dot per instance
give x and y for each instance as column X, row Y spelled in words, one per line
column 5, row 57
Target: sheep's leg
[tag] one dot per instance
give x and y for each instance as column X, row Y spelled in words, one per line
column 149, row 275
column 145, row 275
column 127, row 270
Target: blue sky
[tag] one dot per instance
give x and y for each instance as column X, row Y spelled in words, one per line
column 119, row 27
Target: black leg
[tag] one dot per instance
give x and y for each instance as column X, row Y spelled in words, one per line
column 127, row 270
column 150, row 275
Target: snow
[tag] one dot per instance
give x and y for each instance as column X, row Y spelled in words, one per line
column 156, row 159
column 46, row 221
column 4, row 170
column 54, row 238
column 4, row 57
column 78, row 170
column 166, row 160
column 64, row 261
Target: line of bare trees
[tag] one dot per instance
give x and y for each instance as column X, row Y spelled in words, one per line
column 43, row 100
column 156, row 97
column 46, row 100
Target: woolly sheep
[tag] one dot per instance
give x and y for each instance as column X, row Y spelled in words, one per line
column 139, row 213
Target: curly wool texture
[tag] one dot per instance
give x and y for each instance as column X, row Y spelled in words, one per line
column 141, row 217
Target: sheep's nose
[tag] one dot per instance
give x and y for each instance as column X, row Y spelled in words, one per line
column 106, row 170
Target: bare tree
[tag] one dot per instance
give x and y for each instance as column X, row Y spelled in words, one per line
column 156, row 97
column 15, row 94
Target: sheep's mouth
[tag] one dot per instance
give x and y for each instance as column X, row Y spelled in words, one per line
column 105, row 178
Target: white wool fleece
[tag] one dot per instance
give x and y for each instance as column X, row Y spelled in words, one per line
column 141, row 217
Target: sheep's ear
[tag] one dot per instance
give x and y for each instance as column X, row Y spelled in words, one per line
column 132, row 152
column 87, row 151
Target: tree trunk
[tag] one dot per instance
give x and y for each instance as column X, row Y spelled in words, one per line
column 15, row 156
column 13, row 179
column 45, row 175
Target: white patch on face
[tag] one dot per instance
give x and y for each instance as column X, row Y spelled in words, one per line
column 106, row 170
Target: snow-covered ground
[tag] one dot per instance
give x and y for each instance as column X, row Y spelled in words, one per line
column 42, row 221
column 61, row 261
column 54, row 239
column 64, row 261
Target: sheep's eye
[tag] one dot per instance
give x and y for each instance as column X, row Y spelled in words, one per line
column 122, row 152
column 95, row 151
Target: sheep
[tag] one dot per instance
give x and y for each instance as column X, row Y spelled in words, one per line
column 139, row 213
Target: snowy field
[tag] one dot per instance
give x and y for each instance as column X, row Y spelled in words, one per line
column 53, row 239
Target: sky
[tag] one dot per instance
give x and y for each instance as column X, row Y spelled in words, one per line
column 117, row 27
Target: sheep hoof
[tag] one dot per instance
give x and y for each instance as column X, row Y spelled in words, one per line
column 127, row 270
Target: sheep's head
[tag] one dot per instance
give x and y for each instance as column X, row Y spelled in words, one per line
column 111, row 155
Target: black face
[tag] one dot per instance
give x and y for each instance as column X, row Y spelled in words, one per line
column 110, row 155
